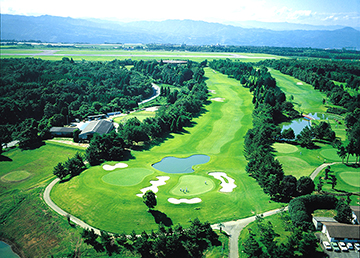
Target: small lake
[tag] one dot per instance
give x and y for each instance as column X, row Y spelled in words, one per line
column 175, row 165
column 6, row 251
column 299, row 124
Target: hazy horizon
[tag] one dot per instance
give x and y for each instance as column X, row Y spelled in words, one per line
column 319, row 12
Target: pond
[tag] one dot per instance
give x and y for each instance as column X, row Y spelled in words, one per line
column 299, row 124
column 6, row 251
column 175, row 165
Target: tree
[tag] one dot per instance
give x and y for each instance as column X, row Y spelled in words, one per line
column 333, row 181
column 149, row 198
column 305, row 185
column 28, row 135
column 304, row 138
column 341, row 152
column 76, row 135
column 327, row 170
column 288, row 187
column 307, row 245
column 60, row 171
column 288, row 134
column 252, row 247
column 343, row 212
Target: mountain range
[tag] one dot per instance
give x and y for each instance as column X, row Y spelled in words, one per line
column 69, row 30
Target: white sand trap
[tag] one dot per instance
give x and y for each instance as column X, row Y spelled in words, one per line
column 189, row 201
column 152, row 109
column 226, row 187
column 218, row 99
column 212, row 91
column 155, row 184
column 299, row 83
column 118, row 165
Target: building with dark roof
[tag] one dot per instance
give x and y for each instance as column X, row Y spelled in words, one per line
column 62, row 131
column 100, row 127
column 336, row 232
column 319, row 221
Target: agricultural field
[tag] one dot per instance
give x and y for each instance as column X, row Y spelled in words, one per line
column 108, row 54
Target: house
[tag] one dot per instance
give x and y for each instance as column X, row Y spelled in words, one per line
column 336, row 232
column 100, row 127
column 62, row 131
column 319, row 221
column 356, row 214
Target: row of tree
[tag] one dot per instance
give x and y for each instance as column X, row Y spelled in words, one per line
column 280, row 51
column 262, row 242
column 72, row 167
column 270, row 104
column 165, row 242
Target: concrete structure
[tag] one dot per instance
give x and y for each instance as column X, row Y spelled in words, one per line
column 319, row 221
column 340, row 232
column 100, row 127
column 356, row 215
column 62, row 131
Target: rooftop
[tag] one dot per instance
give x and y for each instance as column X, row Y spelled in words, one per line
column 341, row 230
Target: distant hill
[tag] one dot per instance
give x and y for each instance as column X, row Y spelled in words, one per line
column 64, row 29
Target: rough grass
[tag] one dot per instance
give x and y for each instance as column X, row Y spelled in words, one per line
column 218, row 132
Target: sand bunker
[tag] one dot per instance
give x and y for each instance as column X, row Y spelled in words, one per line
column 118, row 165
column 152, row 109
column 189, row 201
column 212, row 91
column 227, row 187
column 299, row 83
column 155, row 184
column 218, row 99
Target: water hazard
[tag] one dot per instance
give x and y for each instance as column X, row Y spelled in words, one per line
column 175, row 165
column 299, row 124
column 6, row 251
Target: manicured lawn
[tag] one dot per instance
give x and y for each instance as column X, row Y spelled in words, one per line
column 306, row 99
column 348, row 179
column 141, row 115
column 126, row 176
column 218, row 133
column 194, row 184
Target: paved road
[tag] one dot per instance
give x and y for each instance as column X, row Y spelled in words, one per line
column 155, row 95
column 56, row 208
column 233, row 228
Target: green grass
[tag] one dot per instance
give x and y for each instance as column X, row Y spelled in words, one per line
column 16, row 176
column 303, row 100
column 195, row 185
column 348, row 180
column 126, row 177
column 141, row 115
column 218, row 133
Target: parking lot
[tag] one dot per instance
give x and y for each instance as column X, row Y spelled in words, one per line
column 333, row 254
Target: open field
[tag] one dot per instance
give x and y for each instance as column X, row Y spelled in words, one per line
column 218, row 133
column 108, row 55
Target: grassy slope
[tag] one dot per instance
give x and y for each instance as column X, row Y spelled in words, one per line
column 218, row 133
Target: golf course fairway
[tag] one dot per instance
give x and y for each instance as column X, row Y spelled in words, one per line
column 218, row 132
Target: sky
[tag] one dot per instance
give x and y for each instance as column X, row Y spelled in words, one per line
column 314, row 12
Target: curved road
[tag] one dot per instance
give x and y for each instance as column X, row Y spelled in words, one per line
column 233, row 228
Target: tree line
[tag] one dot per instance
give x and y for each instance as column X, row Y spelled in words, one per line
column 271, row 108
column 280, row 51
column 165, row 242
column 345, row 98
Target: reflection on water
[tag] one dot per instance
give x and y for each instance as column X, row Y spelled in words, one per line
column 180, row 165
column 299, row 124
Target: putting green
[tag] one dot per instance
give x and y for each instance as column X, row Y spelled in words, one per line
column 285, row 148
column 330, row 154
column 295, row 166
column 194, row 184
column 351, row 178
column 16, row 176
column 126, row 177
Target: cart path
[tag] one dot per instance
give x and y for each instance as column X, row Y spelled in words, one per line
column 232, row 228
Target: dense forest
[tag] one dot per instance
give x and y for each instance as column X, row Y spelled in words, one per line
column 38, row 94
